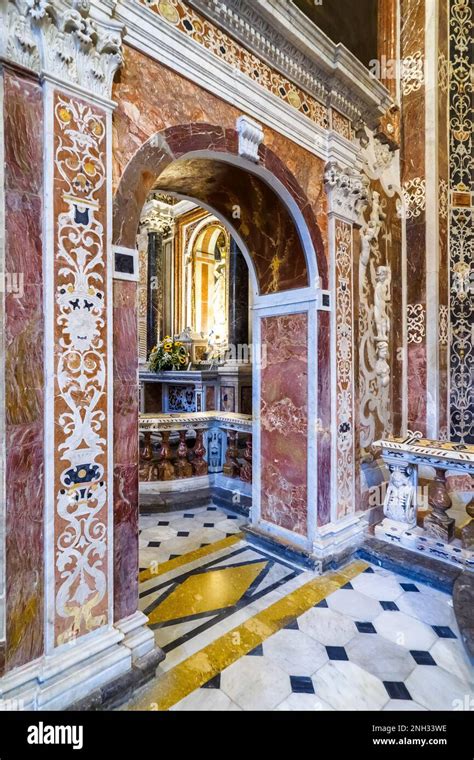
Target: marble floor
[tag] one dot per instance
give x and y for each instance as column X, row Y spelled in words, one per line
column 244, row 630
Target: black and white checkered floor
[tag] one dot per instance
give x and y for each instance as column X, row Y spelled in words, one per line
column 380, row 642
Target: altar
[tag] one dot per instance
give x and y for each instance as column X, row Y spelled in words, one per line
column 180, row 391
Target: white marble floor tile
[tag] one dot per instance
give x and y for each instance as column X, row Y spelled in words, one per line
column 450, row 655
column 255, row 683
column 327, row 626
column 169, row 633
column 405, row 631
column 156, row 555
column 398, row 705
column 381, row 657
column 430, row 609
column 206, row 700
column 353, row 604
column 377, row 586
column 437, row 689
column 303, row 703
column 295, row 652
column 158, row 533
column 346, row 686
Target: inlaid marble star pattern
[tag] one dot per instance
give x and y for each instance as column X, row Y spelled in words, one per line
column 372, row 640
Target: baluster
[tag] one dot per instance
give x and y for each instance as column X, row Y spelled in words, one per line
column 437, row 524
column 467, row 532
column 199, row 464
column 146, row 457
column 231, row 466
column 165, row 466
column 246, row 469
column 183, row 466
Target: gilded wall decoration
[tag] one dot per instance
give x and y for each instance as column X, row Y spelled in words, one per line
column 202, row 31
column 443, row 198
column 80, row 403
column 344, row 369
column 416, row 323
column 461, row 235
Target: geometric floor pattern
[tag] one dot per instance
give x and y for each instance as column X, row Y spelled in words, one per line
column 378, row 642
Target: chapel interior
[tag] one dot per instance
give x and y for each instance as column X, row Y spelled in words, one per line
column 236, row 355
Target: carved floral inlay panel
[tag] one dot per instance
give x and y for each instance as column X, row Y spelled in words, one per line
column 80, row 367
column 414, row 196
column 344, row 369
column 416, row 329
column 413, row 74
column 375, row 319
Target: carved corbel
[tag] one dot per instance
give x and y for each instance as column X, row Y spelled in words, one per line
column 348, row 192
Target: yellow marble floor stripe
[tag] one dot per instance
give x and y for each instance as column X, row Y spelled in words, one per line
column 200, row 667
column 183, row 559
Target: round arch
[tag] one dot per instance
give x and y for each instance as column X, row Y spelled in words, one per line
column 276, row 226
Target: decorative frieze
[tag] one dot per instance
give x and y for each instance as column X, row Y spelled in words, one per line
column 237, row 27
column 63, row 40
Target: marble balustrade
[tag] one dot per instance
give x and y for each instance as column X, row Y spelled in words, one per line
column 428, row 528
column 174, row 446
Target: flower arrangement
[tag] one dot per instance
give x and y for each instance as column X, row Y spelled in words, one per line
column 169, row 354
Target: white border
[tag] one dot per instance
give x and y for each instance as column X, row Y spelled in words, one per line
column 49, row 368
column 432, row 219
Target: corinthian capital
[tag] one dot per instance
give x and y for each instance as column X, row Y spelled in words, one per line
column 62, row 39
column 348, row 192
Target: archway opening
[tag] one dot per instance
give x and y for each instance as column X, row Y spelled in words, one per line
column 238, row 437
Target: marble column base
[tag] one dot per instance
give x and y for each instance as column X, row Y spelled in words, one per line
column 79, row 670
column 418, row 540
column 336, row 541
column 333, row 545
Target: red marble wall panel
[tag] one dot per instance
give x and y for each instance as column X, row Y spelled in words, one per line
column 23, row 113
column 126, row 409
column 324, row 435
column 284, row 421
column 412, row 41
